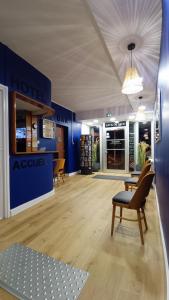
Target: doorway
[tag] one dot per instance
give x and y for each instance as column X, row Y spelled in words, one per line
column 60, row 134
column 4, row 154
column 115, row 149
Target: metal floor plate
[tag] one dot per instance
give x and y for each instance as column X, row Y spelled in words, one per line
column 28, row 274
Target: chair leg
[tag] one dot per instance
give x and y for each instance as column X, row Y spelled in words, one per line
column 121, row 214
column 113, row 218
column 126, row 187
column 140, row 226
column 144, row 216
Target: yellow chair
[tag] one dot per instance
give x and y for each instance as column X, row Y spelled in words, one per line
column 133, row 200
column 59, row 169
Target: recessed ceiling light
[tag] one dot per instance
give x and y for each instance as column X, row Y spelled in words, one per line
column 89, row 123
column 141, row 107
column 140, row 116
column 112, row 119
column 131, row 117
column 95, row 121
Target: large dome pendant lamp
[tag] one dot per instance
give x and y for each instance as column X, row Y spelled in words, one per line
column 133, row 83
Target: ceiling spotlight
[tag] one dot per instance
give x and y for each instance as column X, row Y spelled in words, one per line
column 131, row 117
column 142, row 107
column 140, row 116
column 95, row 121
column 133, row 83
column 112, row 119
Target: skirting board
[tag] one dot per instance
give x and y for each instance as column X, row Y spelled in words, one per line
column 31, row 203
column 164, row 245
column 73, row 173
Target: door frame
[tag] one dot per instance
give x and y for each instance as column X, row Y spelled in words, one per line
column 4, row 153
column 104, row 152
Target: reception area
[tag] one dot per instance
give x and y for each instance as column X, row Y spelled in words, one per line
column 65, row 231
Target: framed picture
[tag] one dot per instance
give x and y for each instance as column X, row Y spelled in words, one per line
column 157, row 118
column 48, row 129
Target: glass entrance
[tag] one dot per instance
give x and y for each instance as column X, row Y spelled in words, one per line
column 115, row 149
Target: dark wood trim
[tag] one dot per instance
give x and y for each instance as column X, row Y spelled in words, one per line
column 46, row 110
column 35, row 152
column 41, row 110
column 13, row 123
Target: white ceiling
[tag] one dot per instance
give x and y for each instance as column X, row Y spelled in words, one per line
column 82, row 47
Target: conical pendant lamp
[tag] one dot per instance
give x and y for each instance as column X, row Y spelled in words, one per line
column 132, row 82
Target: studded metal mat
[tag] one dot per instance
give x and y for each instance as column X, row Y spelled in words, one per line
column 28, row 274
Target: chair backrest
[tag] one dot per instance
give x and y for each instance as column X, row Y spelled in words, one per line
column 139, row 197
column 144, row 171
column 60, row 163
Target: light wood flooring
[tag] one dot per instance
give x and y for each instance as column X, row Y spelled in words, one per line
column 74, row 226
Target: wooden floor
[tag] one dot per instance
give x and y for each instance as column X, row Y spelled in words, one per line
column 74, row 226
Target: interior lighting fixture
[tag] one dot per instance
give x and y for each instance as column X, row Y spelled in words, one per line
column 96, row 121
column 89, row 123
column 140, row 116
column 133, row 83
column 141, row 107
column 112, row 119
column 131, row 117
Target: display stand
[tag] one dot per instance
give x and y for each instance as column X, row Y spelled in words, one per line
column 86, row 154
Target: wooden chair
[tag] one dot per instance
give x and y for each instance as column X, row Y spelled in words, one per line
column 59, row 170
column 134, row 182
column 137, row 173
column 133, row 200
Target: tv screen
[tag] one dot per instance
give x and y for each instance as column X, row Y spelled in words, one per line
column 21, row 133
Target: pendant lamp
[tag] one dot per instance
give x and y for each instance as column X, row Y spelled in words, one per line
column 132, row 82
column 140, row 116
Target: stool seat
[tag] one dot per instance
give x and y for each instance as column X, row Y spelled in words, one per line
column 123, row 197
column 131, row 180
column 135, row 173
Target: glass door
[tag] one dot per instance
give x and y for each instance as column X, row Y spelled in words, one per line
column 115, row 149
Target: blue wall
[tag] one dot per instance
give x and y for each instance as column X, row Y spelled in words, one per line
column 162, row 147
column 20, row 76
column 31, row 176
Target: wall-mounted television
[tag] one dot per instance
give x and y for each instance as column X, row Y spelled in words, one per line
column 21, row 133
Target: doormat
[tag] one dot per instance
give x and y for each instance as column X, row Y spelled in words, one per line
column 30, row 275
column 110, row 177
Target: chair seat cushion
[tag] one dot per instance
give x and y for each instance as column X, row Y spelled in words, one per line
column 135, row 173
column 131, row 180
column 123, row 197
